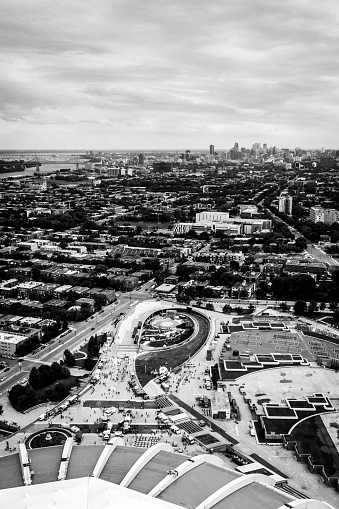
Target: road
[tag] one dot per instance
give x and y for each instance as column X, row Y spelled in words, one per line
column 320, row 255
column 313, row 250
column 73, row 340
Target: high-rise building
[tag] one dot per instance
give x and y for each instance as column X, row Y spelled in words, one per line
column 235, row 154
column 141, row 159
column 212, row 150
column 285, row 203
column 320, row 215
column 236, row 146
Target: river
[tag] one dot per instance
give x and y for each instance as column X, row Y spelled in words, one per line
column 59, row 163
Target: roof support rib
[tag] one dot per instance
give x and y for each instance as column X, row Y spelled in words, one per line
column 142, row 462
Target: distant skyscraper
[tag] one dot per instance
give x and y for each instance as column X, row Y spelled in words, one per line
column 212, row 150
column 285, row 203
column 236, row 145
column 141, row 159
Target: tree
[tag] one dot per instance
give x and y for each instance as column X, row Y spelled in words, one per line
column 284, row 307
column 251, row 308
column 227, row 309
column 191, row 291
column 28, row 399
column 56, row 370
column 47, row 375
column 210, row 306
column 300, row 307
column 243, row 294
column 313, row 307
column 183, row 298
column 65, row 372
column 61, row 391
column 239, row 310
column 89, row 363
column 69, row 358
column 15, row 393
column 260, row 294
column 335, row 277
column 93, row 347
column 35, row 379
column 333, row 306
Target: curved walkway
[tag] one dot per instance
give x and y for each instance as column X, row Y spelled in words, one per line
column 172, row 357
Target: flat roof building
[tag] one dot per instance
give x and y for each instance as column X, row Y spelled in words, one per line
column 9, row 343
column 165, row 288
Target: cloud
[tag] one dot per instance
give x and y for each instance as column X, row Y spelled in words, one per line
column 189, row 69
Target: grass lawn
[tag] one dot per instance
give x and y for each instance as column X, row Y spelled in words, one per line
column 171, row 358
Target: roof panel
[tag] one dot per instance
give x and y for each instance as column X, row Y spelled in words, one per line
column 10, row 469
column 253, row 496
column 45, row 463
column 119, row 463
column 155, row 470
column 83, row 460
column 198, row 484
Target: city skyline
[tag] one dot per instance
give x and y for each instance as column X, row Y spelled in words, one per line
column 168, row 74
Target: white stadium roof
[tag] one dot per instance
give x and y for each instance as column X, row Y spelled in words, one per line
column 83, row 493
column 118, row 476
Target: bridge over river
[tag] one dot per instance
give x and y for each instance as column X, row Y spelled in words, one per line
column 55, row 160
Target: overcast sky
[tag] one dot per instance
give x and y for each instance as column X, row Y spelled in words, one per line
column 119, row 74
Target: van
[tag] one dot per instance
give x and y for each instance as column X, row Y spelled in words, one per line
column 188, row 437
column 175, row 429
column 252, row 432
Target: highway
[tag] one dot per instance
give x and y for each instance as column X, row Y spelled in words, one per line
column 72, row 341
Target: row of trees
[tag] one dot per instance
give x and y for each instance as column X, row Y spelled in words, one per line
column 46, row 375
column 31, row 394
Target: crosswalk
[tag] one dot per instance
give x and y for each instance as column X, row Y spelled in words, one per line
column 130, row 350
